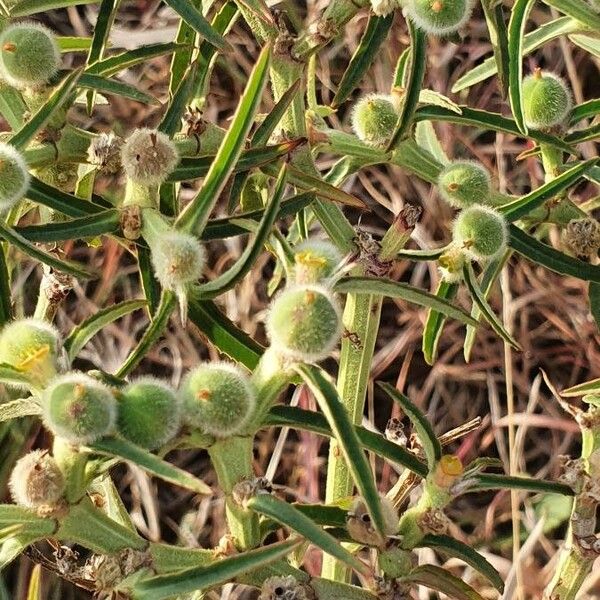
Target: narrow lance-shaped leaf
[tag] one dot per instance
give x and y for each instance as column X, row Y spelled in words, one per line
column 345, row 434
column 494, row 16
column 5, row 297
column 290, row 516
column 431, row 445
column 12, row 106
column 492, row 481
column 31, row 7
column 196, row 214
column 171, row 120
column 579, row 10
column 434, row 323
column 100, row 83
column 581, row 389
column 436, row 578
column 21, row 407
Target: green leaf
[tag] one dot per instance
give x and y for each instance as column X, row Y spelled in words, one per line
column 516, row 32
column 467, row 554
column 434, row 323
column 5, row 294
column 588, row 43
column 431, row 445
column 490, row 316
column 412, row 89
column 57, row 99
column 121, row 448
column 437, row 99
column 30, row 7
column 12, row 106
column 246, row 261
column 494, row 16
column 290, row 516
column 581, row 389
column 84, row 332
column 396, row 289
column 328, row 399
column 102, row 223
column 150, row 285
column 427, row 139
column 370, row 43
column 193, row 17
column 297, row 418
column 584, row 110
column 12, row 376
column 205, row 577
column 552, row 259
column 223, row 333
column 324, row 514
column 260, row 9
column 171, row 121
column 436, row 578
column 492, row 481
column 579, row 10
column 100, row 83
column 22, row 407
column 195, row 215
column 67, row 43
column 63, row 265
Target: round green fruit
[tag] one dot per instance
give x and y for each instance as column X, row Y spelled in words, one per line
column 440, row 17
column 463, row 183
column 315, row 261
column 79, row 408
column 29, row 54
column 374, row 119
column 14, row 176
column 149, row 413
column 546, row 100
column 217, row 398
column 481, row 231
column 304, row 323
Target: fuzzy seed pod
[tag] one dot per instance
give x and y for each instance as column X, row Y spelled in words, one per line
column 29, row 54
column 14, row 177
column 440, row 17
column 218, row 398
column 79, row 408
column 33, row 347
column 383, row 8
column 105, row 152
column 304, row 323
column 374, row 119
column 360, row 526
column 546, row 100
column 582, row 236
column 148, row 157
column 284, row 588
column 463, row 183
column 36, row 480
column 481, row 231
column 314, row 261
column 149, row 413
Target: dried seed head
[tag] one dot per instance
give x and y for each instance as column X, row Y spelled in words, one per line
column 374, row 119
column 218, row 398
column 582, row 237
column 284, row 588
column 360, row 526
column 463, row 183
column 315, row 260
column 440, row 17
column 149, row 412
column 394, row 432
column 245, row 490
column 304, row 323
column 105, row 152
column 33, row 347
column 481, row 231
column 36, row 480
column 384, row 7
column 29, row 54
column 546, row 100
column 79, row 408
column 148, row 156
column 434, row 521
column 14, row 176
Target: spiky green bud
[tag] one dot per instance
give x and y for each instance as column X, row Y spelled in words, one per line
column 14, row 176
column 149, row 412
column 546, row 100
column 304, row 323
column 149, row 156
column 315, row 261
column 463, row 183
column 440, row 17
column 79, row 408
column 29, row 54
column 217, row 398
column 481, row 231
column 36, row 480
column 374, row 119
column 33, row 347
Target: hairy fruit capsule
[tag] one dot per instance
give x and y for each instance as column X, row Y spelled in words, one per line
column 481, row 231
column 304, row 323
column 79, row 408
column 315, row 260
column 36, row 480
column 359, row 524
column 463, row 183
column 14, row 176
column 29, row 54
column 148, row 156
column 582, row 236
column 149, row 413
column 105, row 152
column 546, row 100
column 218, row 398
column 440, row 17
column 284, row 588
column 33, row 347
column 374, row 119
